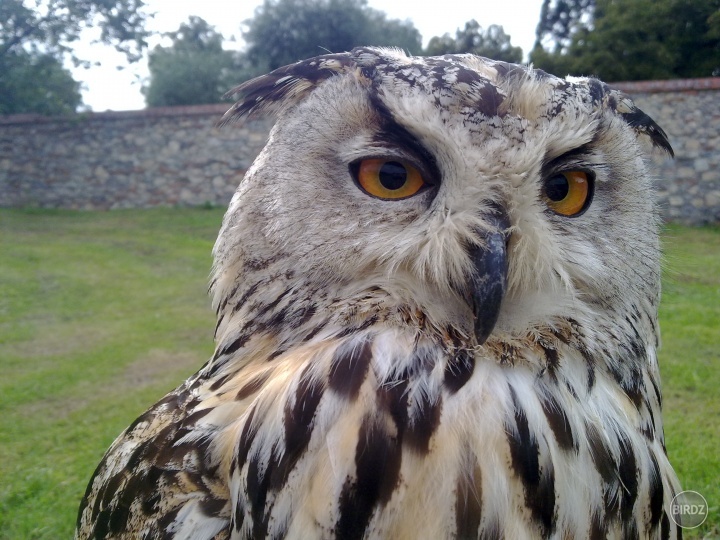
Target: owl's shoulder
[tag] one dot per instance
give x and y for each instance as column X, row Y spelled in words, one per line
column 158, row 472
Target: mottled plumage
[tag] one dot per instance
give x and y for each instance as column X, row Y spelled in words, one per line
column 475, row 359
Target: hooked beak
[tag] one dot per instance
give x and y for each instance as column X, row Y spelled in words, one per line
column 487, row 284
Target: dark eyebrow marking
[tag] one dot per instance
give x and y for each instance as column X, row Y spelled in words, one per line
column 579, row 152
column 391, row 131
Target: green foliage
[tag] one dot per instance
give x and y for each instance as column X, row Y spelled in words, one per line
column 101, row 313
column 285, row 31
column 36, row 83
column 54, row 24
column 492, row 43
column 195, row 69
column 641, row 39
column 35, row 41
column 560, row 19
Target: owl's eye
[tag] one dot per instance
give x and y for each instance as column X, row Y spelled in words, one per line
column 388, row 179
column 568, row 193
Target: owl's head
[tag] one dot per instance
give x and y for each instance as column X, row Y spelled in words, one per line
column 477, row 197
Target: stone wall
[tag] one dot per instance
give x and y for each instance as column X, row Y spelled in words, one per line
column 176, row 156
column 689, row 112
column 130, row 159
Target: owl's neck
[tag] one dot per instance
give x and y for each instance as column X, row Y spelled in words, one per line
column 265, row 319
column 272, row 313
column 281, row 311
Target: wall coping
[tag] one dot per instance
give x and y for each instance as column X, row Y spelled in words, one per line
column 188, row 110
column 671, row 85
column 629, row 87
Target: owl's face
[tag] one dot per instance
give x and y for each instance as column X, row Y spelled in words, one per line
column 488, row 197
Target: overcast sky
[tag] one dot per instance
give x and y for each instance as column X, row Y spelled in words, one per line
column 107, row 87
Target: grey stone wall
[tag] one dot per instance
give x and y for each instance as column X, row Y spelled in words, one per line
column 157, row 157
column 176, row 156
column 689, row 112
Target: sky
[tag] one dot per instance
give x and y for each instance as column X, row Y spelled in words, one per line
column 113, row 85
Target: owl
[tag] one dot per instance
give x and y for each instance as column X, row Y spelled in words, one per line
column 436, row 293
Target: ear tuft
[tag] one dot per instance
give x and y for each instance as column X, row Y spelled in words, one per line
column 285, row 86
column 638, row 120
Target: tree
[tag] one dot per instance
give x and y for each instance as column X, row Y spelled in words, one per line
column 285, row 31
column 560, row 19
column 54, row 24
column 641, row 39
column 493, row 43
column 195, row 69
column 35, row 41
column 36, row 83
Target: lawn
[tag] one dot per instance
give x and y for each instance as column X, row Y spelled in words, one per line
column 102, row 313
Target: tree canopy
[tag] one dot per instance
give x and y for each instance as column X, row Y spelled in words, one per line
column 285, row 31
column 36, row 83
column 194, row 69
column 493, row 43
column 35, row 41
column 560, row 19
column 52, row 25
column 640, row 39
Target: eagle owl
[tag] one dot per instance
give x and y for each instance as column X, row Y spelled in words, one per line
column 436, row 293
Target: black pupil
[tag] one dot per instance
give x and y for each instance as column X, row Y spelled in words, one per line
column 557, row 188
column 393, row 175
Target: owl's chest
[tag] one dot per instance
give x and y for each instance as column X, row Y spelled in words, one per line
column 375, row 441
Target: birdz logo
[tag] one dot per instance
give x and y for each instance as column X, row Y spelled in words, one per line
column 689, row 509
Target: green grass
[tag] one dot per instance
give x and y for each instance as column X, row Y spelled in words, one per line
column 690, row 363
column 102, row 313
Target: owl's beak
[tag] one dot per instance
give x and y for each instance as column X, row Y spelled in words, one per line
column 489, row 279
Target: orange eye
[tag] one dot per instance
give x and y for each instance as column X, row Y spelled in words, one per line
column 388, row 179
column 568, row 193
